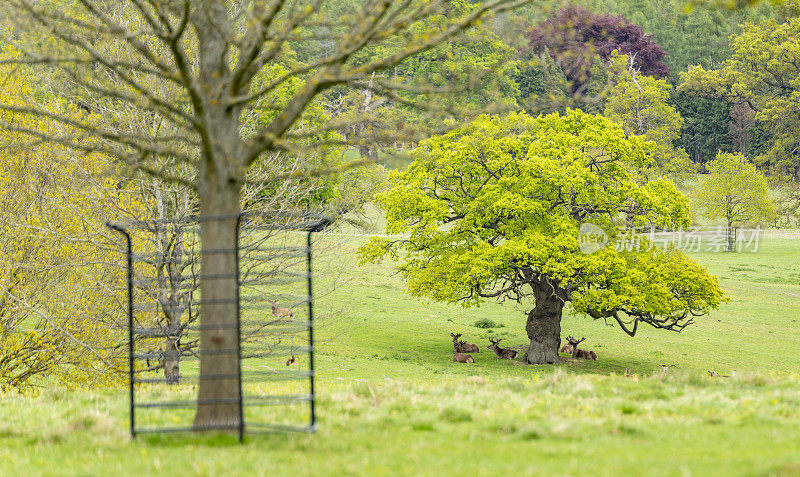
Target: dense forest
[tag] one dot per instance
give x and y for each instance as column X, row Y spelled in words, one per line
column 517, row 65
column 693, row 79
column 544, row 60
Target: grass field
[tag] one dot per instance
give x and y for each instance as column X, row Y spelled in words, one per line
column 393, row 402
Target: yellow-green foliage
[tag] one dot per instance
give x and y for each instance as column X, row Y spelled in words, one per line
column 735, row 191
column 640, row 104
column 25, row 355
column 56, row 315
column 506, row 196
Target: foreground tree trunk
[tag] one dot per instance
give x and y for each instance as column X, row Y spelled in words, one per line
column 218, row 387
column 544, row 324
column 219, row 182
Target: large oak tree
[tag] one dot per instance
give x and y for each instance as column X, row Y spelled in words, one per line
column 494, row 210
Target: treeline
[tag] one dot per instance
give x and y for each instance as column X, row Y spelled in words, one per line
column 548, row 59
column 543, row 59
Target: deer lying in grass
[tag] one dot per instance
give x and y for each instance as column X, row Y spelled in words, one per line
column 463, row 346
column 567, row 348
column 628, row 374
column 463, row 358
column 501, row 352
column 580, row 353
column 279, row 311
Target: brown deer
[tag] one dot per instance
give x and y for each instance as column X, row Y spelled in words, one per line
column 279, row 311
column 567, row 348
column 665, row 367
column 581, row 353
column 463, row 358
column 501, row 352
column 463, row 346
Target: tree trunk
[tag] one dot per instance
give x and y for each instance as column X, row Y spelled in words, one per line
column 544, row 324
column 172, row 299
column 219, row 186
column 172, row 367
column 729, row 237
column 218, row 396
column 367, row 152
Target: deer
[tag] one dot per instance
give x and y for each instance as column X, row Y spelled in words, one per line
column 580, row 353
column 501, row 352
column 463, row 358
column 665, row 367
column 463, row 346
column 715, row 374
column 567, row 348
column 279, row 311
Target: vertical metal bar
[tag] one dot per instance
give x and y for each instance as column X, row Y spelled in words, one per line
column 239, row 329
column 311, row 329
column 129, row 253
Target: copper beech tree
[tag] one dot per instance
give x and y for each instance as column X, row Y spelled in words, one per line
column 214, row 62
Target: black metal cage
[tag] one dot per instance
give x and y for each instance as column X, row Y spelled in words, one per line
column 274, row 321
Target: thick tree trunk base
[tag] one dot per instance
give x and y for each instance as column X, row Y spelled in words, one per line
column 544, row 330
column 540, row 353
column 216, row 417
column 219, row 403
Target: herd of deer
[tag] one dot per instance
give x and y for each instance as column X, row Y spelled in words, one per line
column 462, row 349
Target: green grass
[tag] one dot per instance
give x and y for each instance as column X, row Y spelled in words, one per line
column 393, row 402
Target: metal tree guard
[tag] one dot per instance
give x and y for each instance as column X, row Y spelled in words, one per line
column 163, row 324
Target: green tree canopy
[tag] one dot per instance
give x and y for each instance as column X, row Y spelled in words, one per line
column 706, row 125
column 736, row 192
column 640, row 104
column 494, row 210
column 763, row 73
